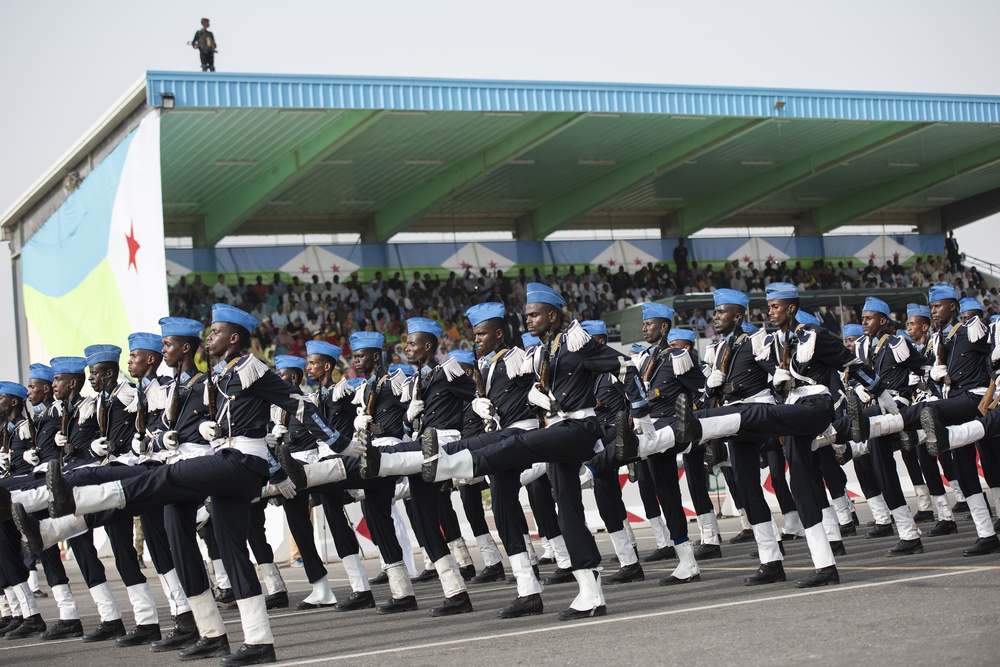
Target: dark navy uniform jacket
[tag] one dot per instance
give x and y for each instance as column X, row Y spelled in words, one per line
column 19, row 442
column 967, row 354
column 192, row 410
column 82, row 431
column 446, row 393
column 815, row 354
column 121, row 418
column 508, row 380
column 745, row 377
column 611, row 399
column 892, row 359
column 671, row 372
column 387, row 411
column 246, row 391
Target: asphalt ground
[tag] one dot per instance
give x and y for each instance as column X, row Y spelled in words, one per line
column 936, row 608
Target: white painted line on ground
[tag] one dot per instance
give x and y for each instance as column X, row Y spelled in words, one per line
column 625, row 619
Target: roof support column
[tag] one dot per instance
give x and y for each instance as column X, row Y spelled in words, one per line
column 929, row 222
column 806, row 224
column 670, row 226
column 524, row 228
column 367, row 230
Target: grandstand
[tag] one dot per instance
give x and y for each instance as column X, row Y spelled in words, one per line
column 206, row 157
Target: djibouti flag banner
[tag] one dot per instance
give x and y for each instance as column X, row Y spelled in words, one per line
column 95, row 271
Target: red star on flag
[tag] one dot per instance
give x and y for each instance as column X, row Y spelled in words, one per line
column 746, row 259
column 133, row 247
column 493, row 265
column 770, row 258
column 872, row 256
column 466, row 265
column 895, row 256
column 304, row 269
column 335, row 268
column 638, row 261
column 611, row 262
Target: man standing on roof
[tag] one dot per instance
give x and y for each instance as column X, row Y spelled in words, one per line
column 204, row 41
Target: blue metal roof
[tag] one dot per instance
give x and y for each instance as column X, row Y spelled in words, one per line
column 225, row 90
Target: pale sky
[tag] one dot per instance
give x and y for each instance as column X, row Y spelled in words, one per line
column 66, row 62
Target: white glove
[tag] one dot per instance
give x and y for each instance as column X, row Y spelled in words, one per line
column 913, row 380
column 99, row 447
column 939, row 372
column 715, row 379
column 323, row 450
column 270, row 440
column 171, row 440
column 781, row 376
column 484, row 408
column 415, row 409
column 995, row 354
column 5, row 460
column 644, row 427
column 30, row 457
column 361, row 423
column 863, row 394
column 136, row 443
column 285, row 487
column 208, row 430
column 279, row 431
column 354, row 449
column 61, row 441
column 539, row 398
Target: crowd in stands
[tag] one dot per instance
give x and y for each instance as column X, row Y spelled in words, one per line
column 293, row 312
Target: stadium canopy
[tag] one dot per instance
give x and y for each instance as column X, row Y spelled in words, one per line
column 267, row 154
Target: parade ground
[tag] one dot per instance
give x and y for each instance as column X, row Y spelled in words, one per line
column 935, row 608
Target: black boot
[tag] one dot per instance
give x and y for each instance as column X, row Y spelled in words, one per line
column 860, row 426
column 848, row 529
column 397, row 605
column 837, row 547
column 943, row 528
column 745, row 535
column 292, row 466
column 626, row 575
column 27, row 525
column 39, row 594
column 468, row 572
column 663, row 553
column 431, row 451
column 61, row 501
column 936, row 432
column 708, row 552
column 185, row 632
column 139, row 635
column 370, row 460
column 560, row 576
column 906, row 548
column 530, row 605
column 426, row 575
column 357, row 600
column 277, row 600
column 105, row 630
column 923, row 516
column 250, row 654
column 626, row 441
column 13, row 623
column 880, row 530
column 490, row 574
column 715, row 453
column 687, row 429
column 982, row 547
column 205, row 647
column 382, row 578
column 5, row 504
column 457, row 604
column 31, row 627
column 767, row 573
column 821, row 577
column 64, row 629
column 225, row 597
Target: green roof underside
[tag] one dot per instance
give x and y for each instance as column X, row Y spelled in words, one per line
column 378, row 172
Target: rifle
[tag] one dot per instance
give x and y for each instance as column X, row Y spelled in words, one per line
column 286, row 419
column 103, row 417
column 5, row 445
column 939, row 354
column 418, row 395
column 67, row 419
column 32, row 432
column 173, row 411
column 477, row 373
column 141, row 415
column 785, row 364
column 727, row 360
column 379, row 373
column 545, row 379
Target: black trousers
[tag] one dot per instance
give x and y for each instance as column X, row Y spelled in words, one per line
column 697, row 481
column 777, row 465
column 666, row 484
column 299, row 525
column 647, row 490
column 744, row 457
column 472, row 503
column 345, row 540
column 180, row 523
column 611, row 507
column 732, row 484
column 207, row 60
column 565, row 446
column 864, row 468
column 543, row 507
column 257, row 536
column 505, row 488
column 931, row 471
column 989, row 461
column 450, row 526
column 884, row 465
column 913, row 468
column 11, row 561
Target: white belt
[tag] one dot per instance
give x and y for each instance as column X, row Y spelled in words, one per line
column 576, row 414
column 446, row 435
column 798, row 393
column 249, row 446
column 525, row 424
column 386, row 441
column 762, row 396
column 978, row 391
column 186, row 450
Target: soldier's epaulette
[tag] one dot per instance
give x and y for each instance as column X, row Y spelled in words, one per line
column 513, row 361
column 712, row 353
column 975, row 329
column 807, row 345
column 406, row 393
column 758, row 341
column 765, row 351
column 24, row 430
column 681, row 360
column 275, row 414
column 129, row 397
column 88, row 408
column 532, row 361
column 452, row 369
column 341, row 389
column 900, row 350
column 156, row 395
column 397, row 381
column 576, row 337
column 249, row 370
